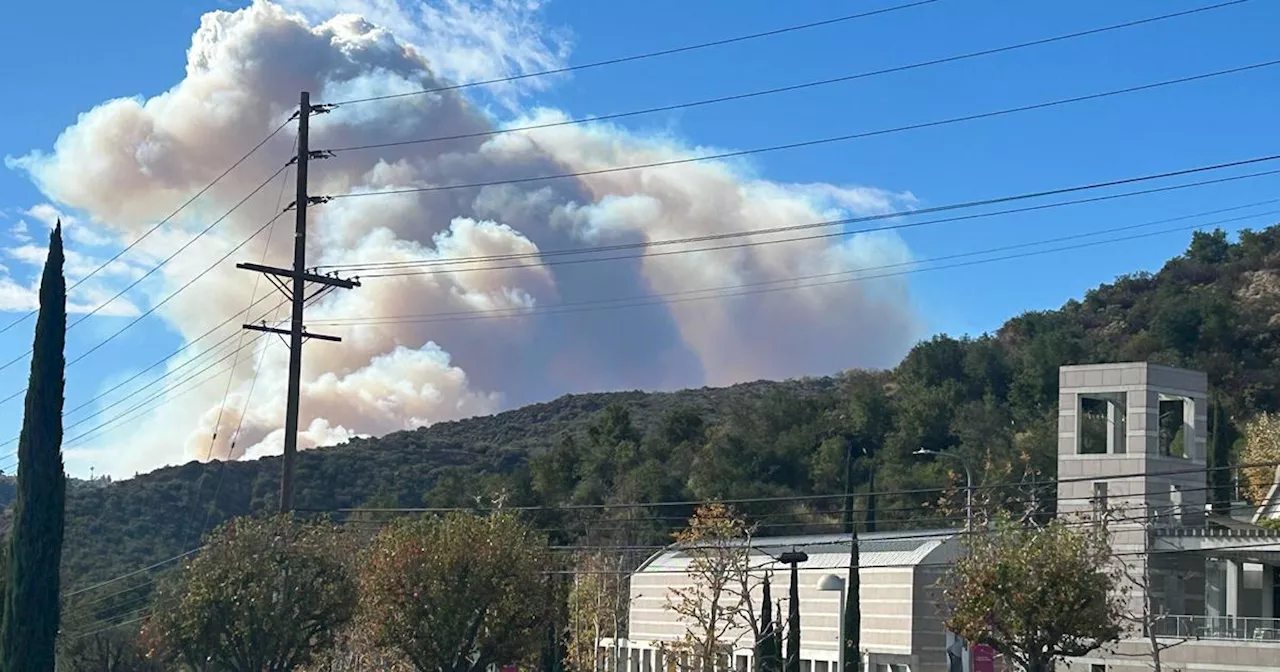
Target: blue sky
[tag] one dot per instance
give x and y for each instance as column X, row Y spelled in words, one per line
column 108, row 50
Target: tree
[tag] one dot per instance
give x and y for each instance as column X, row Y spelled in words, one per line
column 1261, row 446
column 792, row 663
column 29, row 628
column 852, row 625
column 457, row 593
column 1148, row 614
column 1035, row 594
column 716, row 609
column 262, row 596
column 768, row 649
column 106, row 652
column 597, row 602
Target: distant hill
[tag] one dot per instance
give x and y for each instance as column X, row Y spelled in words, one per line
column 993, row 399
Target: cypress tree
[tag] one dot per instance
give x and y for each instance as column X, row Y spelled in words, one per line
column 29, row 629
column 852, row 611
column 766, row 654
column 852, row 607
column 778, row 630
column 793, row 623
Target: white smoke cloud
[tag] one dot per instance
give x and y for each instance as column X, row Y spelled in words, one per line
column 130, row 162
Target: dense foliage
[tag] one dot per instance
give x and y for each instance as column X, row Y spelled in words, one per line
column 263, row 596
column 32, row 605
column 1036, row 594
column 990, row 399
column 457, row 593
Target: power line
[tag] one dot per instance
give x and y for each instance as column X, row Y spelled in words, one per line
column 898, row 535
column 156, row 306
column 152, row 270
column 162, row 222
column 444, row 316
column 801, row 86
column 177, row 352
column 802, row 498
column 993, row 486
column 639, row 57
column 789, row 516
column 434, row 316
column 162, row 394
column 542, row 256
column 909, row 533
column 480, row 314
column 136, row 572
column 99, row 631
column 766, row 286
column 810, row 143
column 155, row 381
column 226, row 393
column 168, row 374
column 159, row 379
column 235, row 438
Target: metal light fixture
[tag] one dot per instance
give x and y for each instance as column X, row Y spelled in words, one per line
column 831, row 582
column 968, row 491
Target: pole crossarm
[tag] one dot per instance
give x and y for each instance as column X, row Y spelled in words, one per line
column 305, row 334
column 306, row 276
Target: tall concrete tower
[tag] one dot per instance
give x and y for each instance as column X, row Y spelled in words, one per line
column 1132, row 439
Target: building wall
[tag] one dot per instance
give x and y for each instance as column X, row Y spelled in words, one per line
column 901, row 623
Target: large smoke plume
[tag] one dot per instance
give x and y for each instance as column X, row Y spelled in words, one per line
column 129, row 162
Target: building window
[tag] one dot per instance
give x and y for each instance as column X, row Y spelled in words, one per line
column 1093, row 426
column 1173, row 433
column 741, row 663
column 1098, row 667
column 820, row 666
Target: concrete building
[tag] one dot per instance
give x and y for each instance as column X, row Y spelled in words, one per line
column 1133, row 441
column 901, row 629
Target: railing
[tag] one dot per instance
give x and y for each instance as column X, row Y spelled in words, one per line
column 1235, row 628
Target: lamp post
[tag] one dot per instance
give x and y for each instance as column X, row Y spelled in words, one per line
column 832, row 582
column 968, row 475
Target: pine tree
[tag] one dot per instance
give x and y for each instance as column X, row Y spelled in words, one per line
column 29, row 629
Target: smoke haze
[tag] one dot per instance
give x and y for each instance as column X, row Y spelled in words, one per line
column 129, row 162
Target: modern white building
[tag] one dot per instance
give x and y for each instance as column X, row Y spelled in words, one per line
column 901, row 627
column 1132, row 441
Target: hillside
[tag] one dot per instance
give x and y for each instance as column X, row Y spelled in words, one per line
column 992, row 399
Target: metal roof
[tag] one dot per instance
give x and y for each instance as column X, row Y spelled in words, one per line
column 826, row 551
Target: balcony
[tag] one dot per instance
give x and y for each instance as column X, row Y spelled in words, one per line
column 1232, row 628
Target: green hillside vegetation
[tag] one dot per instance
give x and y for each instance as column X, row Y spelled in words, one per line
column 991, row 399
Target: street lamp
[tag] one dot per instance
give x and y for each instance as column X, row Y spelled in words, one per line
column 968, row 475
column 834, row 583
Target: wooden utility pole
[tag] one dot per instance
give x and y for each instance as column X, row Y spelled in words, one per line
column 296, row 292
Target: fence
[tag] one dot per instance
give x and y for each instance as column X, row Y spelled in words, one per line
column 1236, row 628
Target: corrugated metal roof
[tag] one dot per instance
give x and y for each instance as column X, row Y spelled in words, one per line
column 881, row 549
